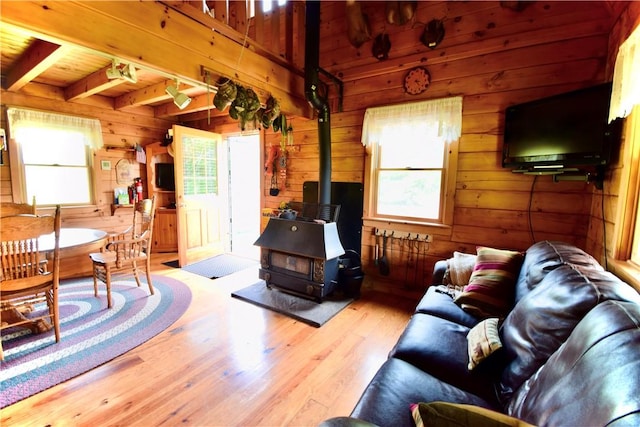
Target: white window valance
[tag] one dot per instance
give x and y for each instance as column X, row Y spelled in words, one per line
column 22, row 119
column 420, row 117
column 626, row 77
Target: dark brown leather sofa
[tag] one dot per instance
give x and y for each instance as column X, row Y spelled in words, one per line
column 570, row 356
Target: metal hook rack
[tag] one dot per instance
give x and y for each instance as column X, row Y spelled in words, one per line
column 404, row 235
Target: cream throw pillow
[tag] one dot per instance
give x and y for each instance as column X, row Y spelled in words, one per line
column 482, row 340
column 460, row 269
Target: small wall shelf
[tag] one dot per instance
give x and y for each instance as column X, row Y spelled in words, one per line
column 118, row 148
column 116, row 207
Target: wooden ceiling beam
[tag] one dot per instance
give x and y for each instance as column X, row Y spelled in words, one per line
column 152, row 95
column 145, row 96
column 38, row 57
column 198, row 103
column 94, row 83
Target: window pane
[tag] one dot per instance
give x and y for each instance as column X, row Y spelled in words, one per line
column 411, row 145
column 200, row 172
column 412, row 152
column 413, row 194
column 267, row 5
column 55, row 150
column 58, row 185
column 53, row 147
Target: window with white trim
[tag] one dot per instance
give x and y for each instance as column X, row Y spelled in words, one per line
column 629, row 237
column 625, row 103
column 635, row 244
column 53, row 156
column 410, row 146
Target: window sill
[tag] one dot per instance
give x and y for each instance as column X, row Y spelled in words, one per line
column 626, row 271
column 408, row 222
column 413, row 226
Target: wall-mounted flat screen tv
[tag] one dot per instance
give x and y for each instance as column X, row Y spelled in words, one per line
column 165, row 179
column 562, row 131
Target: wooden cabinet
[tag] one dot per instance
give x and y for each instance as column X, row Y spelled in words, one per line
column 165, row 230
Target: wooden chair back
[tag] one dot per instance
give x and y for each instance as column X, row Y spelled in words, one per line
column 11, row 209
column 22, row 265
column 143, row 218
column 127, row 252
column 28, row 275
column 138, row 242
column 142, row 224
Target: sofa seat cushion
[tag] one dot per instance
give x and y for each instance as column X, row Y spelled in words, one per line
column 439, row 347
column 397, row 384
column 438, row 301
column 346, row 422
column 545, row 317
column 546, row 256
column 593, row 379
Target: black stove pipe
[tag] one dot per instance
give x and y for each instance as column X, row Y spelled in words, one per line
column 316, row 100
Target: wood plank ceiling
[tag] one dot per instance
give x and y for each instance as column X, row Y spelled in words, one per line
column 82, row 73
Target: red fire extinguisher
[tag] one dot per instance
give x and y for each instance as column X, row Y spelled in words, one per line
column 138, row 184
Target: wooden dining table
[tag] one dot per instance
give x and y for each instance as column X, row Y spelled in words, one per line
column 72, row 242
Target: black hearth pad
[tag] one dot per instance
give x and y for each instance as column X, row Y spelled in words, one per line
column 307, row 311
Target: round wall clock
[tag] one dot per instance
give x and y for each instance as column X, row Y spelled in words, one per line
column 417, row 80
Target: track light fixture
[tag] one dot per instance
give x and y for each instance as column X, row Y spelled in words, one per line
column 179, row 98
column 122, row 71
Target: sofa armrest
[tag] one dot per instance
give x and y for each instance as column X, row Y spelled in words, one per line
column 439, row 269
column 345, row 422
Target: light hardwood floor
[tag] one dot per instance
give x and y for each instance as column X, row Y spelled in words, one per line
column 229, row 363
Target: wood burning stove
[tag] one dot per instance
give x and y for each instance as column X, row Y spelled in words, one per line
column 300, row 257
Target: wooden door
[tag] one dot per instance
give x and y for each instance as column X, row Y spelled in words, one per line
column 201, row 194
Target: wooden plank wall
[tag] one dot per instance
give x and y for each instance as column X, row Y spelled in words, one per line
column 493, row 57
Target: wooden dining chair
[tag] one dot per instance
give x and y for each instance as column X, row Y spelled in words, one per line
column 28, row 276
column 127, row 252
column 10, row 209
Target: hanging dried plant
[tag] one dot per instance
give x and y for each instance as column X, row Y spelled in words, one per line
column 226, row 94
column 244, row 106
column 269, row 113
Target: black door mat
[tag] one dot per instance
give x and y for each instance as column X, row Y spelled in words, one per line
column 217, row 266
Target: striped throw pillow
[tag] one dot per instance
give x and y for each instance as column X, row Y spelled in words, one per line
column 446, row 414
column 491, row 288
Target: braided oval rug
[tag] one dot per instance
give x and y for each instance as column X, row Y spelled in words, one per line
column 91, row 334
